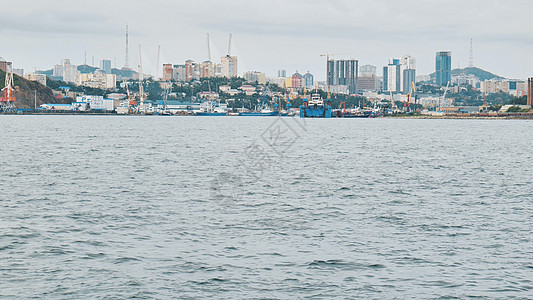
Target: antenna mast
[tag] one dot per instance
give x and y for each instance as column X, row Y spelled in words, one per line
column 141, row 89
column 157, row 63
column 471, row 61
column 229, row 45
column 126, row 59
column 208, row 48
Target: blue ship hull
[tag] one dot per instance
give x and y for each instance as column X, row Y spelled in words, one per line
column 319, row 112
column 210, row 114
column 259, row 114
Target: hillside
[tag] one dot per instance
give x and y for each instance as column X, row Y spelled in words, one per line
column 25, row 92
column 481, row 74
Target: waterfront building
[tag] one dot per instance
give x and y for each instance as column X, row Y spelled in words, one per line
column 105, row 66
column 342, row 74
column 229, row 66
column 443, row 68
column 88, row 102
column 40, row 78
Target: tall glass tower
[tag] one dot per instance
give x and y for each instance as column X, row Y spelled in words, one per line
column 443, row 68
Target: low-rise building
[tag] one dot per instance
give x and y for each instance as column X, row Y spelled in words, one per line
column 90, row 102
column 248, row 90
column 56, row 106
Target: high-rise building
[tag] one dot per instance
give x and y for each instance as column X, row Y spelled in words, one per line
column 229, row 66
column 207, row 69
column 308, row 80
column 367, row 80
column 367, row 70
column 282, row 73
column 443, row 68
column 530, row 91
column 105, row 66
column 343, row 73
column 297, row 80
column 66, row 71
column 167, row 72
column 189, row 70
column 408, row 78
column 391, row 76
column 399, row 74
column 178, row 73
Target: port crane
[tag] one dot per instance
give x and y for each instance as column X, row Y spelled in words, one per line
column 444, row 96
column 412, row 90
column 7, row 104
column 141, row 88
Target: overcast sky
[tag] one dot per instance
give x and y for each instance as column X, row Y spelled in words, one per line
column 271, row 35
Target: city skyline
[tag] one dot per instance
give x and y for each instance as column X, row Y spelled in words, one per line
column 264, row 35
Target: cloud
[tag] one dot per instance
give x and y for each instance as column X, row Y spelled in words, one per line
column 274, row 34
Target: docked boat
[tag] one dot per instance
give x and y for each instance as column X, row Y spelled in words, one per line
column 261, row 113
column 212, row 109
column 315, row 108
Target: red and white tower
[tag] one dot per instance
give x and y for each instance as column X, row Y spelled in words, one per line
column 7, row 100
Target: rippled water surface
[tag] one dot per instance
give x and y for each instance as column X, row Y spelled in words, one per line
column 236, row 207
